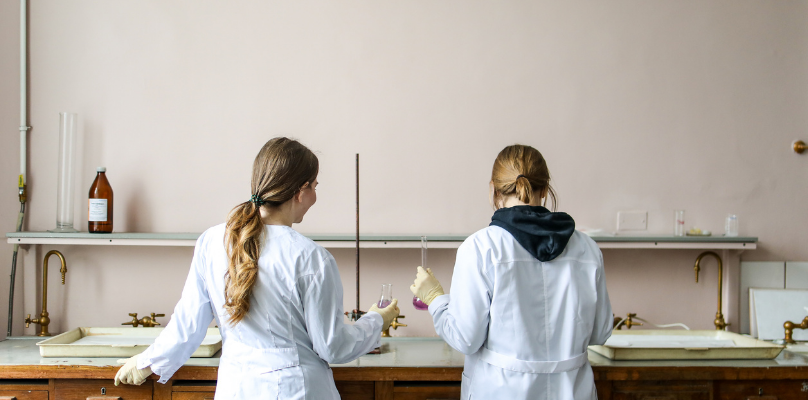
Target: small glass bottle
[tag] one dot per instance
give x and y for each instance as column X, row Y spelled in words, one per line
column 99, row 211
column 731, row 226
column 387, row 295
column 679, row 223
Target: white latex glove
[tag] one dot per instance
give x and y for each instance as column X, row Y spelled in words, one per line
column 388, row 313
column 129, row 374
column 426, row 287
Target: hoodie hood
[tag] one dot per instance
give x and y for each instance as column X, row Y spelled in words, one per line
column 542, row 233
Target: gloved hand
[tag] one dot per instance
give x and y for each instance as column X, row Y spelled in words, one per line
column 130, row 375
column 426, row 287
column 388, row 313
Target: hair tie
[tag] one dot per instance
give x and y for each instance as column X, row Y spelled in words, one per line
column 257, row 200
column 520, row 176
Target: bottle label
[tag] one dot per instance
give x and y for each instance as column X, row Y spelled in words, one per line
column 98, row 210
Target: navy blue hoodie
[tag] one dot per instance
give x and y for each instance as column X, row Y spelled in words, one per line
column 542, row 233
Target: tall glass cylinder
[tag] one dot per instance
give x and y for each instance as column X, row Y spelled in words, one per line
column 679, row 223
column 416, row 302
column 65, row 183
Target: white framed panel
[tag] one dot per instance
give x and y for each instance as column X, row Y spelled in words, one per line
column 758, row 274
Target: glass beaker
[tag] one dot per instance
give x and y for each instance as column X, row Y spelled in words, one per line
column 679, row 223
column 731, row 226
column 387, row 295
column 64, row 183
column 416, row 302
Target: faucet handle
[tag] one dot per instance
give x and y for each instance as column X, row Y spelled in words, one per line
column 150, row 322
column 29, row 321
column 134, row 322
column 154, row 318
column 629, row 322
column 395, row 324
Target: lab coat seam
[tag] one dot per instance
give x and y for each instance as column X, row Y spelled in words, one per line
column 544, row 294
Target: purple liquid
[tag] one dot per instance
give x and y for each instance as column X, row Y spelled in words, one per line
column 384, row 303
column 418, row 304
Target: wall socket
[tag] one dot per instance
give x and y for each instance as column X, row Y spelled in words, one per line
column 632, row 220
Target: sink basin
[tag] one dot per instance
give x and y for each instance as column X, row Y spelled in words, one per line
column 650, row 344
column 116, row 342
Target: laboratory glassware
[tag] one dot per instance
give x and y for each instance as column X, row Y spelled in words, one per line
column 99, row 212
column 387, row 295
column 679, row 223
column 731, row 225
column 64, row 183
column 416, row 302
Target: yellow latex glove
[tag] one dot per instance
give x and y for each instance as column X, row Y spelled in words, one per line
column 129, row 374
column 388, row 313
column 426, row 287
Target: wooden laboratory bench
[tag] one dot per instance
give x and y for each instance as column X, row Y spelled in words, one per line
column 408, row 369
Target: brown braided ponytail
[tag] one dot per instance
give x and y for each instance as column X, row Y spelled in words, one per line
column 521, row 171
column 280, row 170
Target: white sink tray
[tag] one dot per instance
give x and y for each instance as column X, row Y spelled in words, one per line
column 650, row 344
column 116, row 342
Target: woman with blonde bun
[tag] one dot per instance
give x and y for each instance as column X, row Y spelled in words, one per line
column 275, row 295
column 528, row 293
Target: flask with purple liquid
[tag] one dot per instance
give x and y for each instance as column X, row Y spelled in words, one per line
column 416, row 302
column 387, row 295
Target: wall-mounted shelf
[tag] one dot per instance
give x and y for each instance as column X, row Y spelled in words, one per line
column 676, row 242
column 375, row 241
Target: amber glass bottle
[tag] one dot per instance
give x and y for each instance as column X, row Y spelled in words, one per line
column 99, row 213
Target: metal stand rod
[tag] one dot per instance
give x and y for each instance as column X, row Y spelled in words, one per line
column 356, row 313
column 357, row 231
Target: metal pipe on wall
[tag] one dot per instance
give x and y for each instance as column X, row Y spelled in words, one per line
column 22, row 180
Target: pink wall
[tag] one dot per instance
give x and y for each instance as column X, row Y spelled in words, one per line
column 636, row 105
column 9, row 147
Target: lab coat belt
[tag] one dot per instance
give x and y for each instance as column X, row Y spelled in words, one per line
column 533, row 367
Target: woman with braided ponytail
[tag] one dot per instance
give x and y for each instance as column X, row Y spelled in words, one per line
column 275, row 294
column 528, row 293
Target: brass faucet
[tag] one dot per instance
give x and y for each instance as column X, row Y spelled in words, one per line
column 790, row 326
column 148, row 322
column 43, row 319
column 719, row 322
column 628, row 322
column 394, row 325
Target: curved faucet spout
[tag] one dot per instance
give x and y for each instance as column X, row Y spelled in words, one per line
column 719, row 322
column 43, row 319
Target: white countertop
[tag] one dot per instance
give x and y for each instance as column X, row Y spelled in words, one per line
column 396, row 352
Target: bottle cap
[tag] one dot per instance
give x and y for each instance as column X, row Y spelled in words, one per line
column 101, row 169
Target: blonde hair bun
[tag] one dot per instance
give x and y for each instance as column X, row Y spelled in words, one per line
column 521, row 161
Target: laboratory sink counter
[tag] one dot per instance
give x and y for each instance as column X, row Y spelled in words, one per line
column 421, row 368
column 396, row 352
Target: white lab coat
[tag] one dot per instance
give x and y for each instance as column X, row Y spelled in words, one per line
column 524, row 324
column 293, row 330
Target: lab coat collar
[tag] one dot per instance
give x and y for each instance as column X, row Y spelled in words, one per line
column 273, row 231
column 542, row 233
